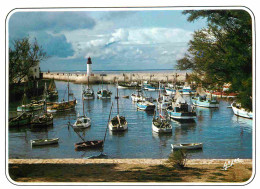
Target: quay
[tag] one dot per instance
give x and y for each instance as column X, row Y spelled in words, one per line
column 112, row 78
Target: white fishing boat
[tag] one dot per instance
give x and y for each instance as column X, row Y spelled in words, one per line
column 241, row 112
column 187, row 146
column 42, row 142
column 163, row 101
column 82, row 122
column 161, row 124
column 118, row 123
column 145, row 105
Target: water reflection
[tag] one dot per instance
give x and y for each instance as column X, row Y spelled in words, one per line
column 218, row 129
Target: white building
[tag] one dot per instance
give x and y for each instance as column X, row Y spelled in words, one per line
column 35, row 71
column 89, row 69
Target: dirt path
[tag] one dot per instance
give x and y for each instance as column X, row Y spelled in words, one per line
column 126, row 170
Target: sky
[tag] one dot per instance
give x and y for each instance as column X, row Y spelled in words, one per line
column 115, row 40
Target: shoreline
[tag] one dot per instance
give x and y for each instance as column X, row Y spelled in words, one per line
column 118, row 161
column 113, row 77
column 128, row 170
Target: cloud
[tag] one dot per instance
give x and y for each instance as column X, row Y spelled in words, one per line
column 22, row 23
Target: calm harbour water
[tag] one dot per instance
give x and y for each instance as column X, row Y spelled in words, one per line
column 223, row 134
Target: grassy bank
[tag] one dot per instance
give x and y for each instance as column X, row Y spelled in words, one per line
column 124, row 170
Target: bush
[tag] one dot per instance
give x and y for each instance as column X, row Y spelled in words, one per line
column 178, row 159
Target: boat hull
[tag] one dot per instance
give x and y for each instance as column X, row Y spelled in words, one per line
column 192, row 146
column 242, row 113
column 182, row 115
column 43, row 142
column 142, row 106
column 122, row 127
column 89, row 145
column 205, row 104
column 161, row 130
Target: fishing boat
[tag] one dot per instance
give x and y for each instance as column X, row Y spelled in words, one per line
column 20, row 120
column 118, row 123
column 82, row 121
column 161, row 124
column 186, row 90
column 41, row 121
column 125, row 85
column 163, row 101
column 170, row 91
column 88, row 93
column 89, row 144
column 52, row 93
column 63, row 105
column 180, row 109
column 92, row 144
column 33, row 106
column 42, row 142
column 187, row 146
column 201, row 99
column 241, row 112
column 140, row 96
column 145, row 105
column 103, row 93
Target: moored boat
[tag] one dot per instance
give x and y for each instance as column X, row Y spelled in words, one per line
column 88, row 93
column 201, row 99
column 63, row 105
column 41, row 142
column 241, row 112
column 118, row 123
column 42, row 121
column 145, row 105
column 20, row 120
column 52, row 93
column 180, row 109
column 88, row 145
column 187, row 146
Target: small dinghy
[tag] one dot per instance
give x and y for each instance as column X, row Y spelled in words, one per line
column 187, row 146
column 125, row 96
column 41, row 142
column 89, row 144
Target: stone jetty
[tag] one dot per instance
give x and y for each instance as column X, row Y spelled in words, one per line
column 112, row 78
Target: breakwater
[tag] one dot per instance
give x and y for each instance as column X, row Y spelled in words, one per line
column 112, row 78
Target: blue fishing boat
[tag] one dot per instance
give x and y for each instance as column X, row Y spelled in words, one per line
column 201, row 99
column 145, row 105
column 180, row 109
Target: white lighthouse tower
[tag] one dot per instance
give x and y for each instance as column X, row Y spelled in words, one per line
column 89, row 70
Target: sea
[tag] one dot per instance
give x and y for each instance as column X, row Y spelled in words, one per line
column 223, row 134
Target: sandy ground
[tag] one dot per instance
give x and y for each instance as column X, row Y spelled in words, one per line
column 127, row 170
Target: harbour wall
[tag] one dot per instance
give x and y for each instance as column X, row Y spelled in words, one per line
column 112, row 78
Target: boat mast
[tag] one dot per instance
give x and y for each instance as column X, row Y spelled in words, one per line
column 68, row 89
column 117, row 98
column 82, row 102
column 108, row 123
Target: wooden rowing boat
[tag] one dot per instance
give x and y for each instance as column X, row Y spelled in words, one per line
column 89, row 144
column 187, row 146
column 41, row 142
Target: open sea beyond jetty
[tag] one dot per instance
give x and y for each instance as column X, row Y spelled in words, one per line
column 223, row 134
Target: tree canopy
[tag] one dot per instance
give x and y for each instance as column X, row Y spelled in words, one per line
column 222, row 52
column 23, row 56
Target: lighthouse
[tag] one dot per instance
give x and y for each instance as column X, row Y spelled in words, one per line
column 89, row 70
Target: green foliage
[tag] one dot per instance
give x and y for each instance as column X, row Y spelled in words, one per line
column 22, row 57
column 178, row 159
column 222, row 52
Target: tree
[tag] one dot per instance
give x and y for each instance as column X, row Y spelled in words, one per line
column 222, row 52
column 23, row 56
